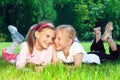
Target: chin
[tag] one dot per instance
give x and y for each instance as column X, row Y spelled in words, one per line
column 58, row 49
column 45, row 47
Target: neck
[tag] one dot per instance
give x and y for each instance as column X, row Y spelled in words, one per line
column 66, row 51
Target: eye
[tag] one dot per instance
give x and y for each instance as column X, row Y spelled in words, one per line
column 48, row 36
column 59, row 38
column 53, row 38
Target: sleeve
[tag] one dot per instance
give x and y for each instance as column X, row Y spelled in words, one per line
column 77, row 48
column 21, row 58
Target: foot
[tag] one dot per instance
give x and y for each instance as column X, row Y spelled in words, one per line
column 108, row 32
column 12, row 29
column 16, row 36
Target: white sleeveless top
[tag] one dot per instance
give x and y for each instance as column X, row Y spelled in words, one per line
column 75, row 49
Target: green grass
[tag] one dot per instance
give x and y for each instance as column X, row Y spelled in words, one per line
column 105, row 71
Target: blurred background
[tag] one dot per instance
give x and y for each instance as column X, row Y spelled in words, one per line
column 83, row 15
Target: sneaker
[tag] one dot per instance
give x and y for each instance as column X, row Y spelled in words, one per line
column 16, row 36
column 12, row 29
column 7, row 56
column 108, row 32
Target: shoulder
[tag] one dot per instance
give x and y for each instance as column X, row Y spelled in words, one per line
column 76, row 44
column 76, row 47
column 24, row 44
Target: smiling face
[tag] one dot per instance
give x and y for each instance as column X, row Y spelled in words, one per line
column 44, row 38
column 62, row 40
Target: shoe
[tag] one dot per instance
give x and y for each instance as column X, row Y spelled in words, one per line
column 12, row 29
column 7, row 56
column 108, row 32
column 16, row 36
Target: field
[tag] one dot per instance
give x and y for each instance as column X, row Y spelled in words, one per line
column 105, row 71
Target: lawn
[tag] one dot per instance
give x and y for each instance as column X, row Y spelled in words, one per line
column 105, row 71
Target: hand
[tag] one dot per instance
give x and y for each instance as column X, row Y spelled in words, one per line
column 71, row 67
column 39, row 68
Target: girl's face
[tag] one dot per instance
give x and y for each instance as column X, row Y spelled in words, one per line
column 44, row 38
column 61, row 40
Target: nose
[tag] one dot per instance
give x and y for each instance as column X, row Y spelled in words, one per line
column 50, row 40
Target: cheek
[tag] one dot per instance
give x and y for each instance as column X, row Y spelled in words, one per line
column 56, row 41
column 52, row 33
column 63, row 43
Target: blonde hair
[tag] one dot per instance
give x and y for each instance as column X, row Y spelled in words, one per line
column 31, row 33
column 70, row 31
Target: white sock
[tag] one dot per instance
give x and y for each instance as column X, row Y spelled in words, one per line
column 12, row 48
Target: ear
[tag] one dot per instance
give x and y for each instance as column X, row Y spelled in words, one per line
column 70, row 41
column 36, row 34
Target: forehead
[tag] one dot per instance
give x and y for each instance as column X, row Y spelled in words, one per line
column 47, row 31
column 61, row 33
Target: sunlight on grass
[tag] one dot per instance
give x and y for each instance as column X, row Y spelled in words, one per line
column 106, row 71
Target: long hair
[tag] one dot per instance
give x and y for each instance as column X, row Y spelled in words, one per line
column 31, row 33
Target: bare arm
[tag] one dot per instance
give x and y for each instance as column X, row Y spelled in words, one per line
column 54, row 55
column 78, row 59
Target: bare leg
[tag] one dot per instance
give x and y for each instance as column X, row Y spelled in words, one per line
column 12, row 48
column 112, row 44
column 107, row 36
column 17, row 38
column 108, row 31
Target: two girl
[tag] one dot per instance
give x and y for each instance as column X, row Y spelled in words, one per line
column 38, row 48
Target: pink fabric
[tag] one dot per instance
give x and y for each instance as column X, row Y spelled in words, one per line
column 38, row 28
column 7, row 56
column 38, row 57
